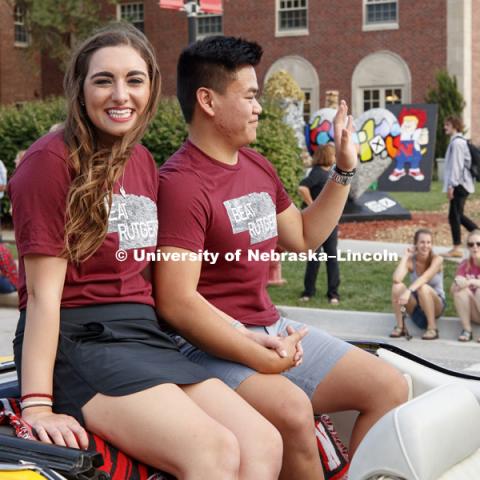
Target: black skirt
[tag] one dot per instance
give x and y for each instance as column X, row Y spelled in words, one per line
column 115, row 349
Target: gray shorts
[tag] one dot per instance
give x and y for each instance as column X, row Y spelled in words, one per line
column 321, row 353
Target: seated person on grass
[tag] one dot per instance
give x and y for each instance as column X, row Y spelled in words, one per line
column 466, row 288
column 424, row 298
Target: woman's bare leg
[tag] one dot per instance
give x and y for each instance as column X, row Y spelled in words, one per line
column 463, row 305
column 397, row 290
column 164, row 427
column 260, row 442
column 430, row 303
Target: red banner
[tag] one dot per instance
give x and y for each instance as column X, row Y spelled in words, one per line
column 211, row 6
column 171, row 4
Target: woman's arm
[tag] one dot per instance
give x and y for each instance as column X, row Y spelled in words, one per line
column 429, row 273
column 403, row 267
column 45, row 277
column 305, row 194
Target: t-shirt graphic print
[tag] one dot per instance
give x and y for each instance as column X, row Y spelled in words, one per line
column 254, row 213
column 134, row 218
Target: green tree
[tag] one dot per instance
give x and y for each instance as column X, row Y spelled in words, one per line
column 276, row 141
column 57, row 25
column 450, row 102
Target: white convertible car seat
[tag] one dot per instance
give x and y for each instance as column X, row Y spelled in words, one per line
column 435, row 436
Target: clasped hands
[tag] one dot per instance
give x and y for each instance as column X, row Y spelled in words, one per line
column 288, row 347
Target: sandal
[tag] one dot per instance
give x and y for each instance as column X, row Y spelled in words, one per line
column 430, row 334
column 465, row 336
column 397, row 332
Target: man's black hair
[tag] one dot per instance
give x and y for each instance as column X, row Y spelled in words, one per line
column 212, row 63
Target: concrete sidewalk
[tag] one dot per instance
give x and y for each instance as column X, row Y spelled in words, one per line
column 8, row 323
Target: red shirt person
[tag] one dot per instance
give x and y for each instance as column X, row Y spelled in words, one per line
column 216, row 194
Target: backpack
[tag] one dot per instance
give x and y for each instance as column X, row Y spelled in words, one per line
column 474, row 166
column 475, row 163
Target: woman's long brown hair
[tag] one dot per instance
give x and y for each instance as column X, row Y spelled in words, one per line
column 95, row 169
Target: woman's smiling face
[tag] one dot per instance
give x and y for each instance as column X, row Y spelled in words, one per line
column 116, row 90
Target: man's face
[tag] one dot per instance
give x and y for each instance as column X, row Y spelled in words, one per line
column 237, row 109
column 448, row 128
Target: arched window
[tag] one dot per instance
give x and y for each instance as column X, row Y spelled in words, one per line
column 305, row 75
column 380, row 79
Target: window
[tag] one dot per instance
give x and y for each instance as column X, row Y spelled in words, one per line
column 133, row 13
column 380, row 14
column 379, row 79
column 292, row 17
column 380, row 97
column 20, row 30
column 393, row 95
column 307, row 106
column 208, row 24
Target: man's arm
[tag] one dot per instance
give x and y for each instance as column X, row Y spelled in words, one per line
column 300, row 231
column 179, row 303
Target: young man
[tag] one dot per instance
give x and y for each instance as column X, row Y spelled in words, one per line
column 458, row 183
column 218, row 197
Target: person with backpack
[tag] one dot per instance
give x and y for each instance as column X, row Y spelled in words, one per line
column 458, row 182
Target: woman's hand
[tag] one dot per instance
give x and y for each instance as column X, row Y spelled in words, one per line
column 409, row 252
column 56, row 428
column 404, row 297
column 461, row 282
column 345, row 150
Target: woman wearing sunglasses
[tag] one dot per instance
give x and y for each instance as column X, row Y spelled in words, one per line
column 466, row 287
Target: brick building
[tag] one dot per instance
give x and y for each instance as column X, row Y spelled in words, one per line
column 373, row 52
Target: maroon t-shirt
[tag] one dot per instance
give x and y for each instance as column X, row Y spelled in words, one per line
column 205, row 205
column 38, row 191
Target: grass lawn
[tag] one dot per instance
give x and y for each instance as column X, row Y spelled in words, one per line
column 365, row 286
column 431, row 201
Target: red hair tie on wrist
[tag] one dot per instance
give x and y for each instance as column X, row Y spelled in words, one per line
column 36, row 395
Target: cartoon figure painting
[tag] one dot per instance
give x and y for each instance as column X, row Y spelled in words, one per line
column 395, row 143
column 411, row 144
column 412, row 150
column 376, row 130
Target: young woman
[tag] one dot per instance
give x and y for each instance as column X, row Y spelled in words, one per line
column 424, row 298
column 310, row 187
column 466, row 287
column 88, row 348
